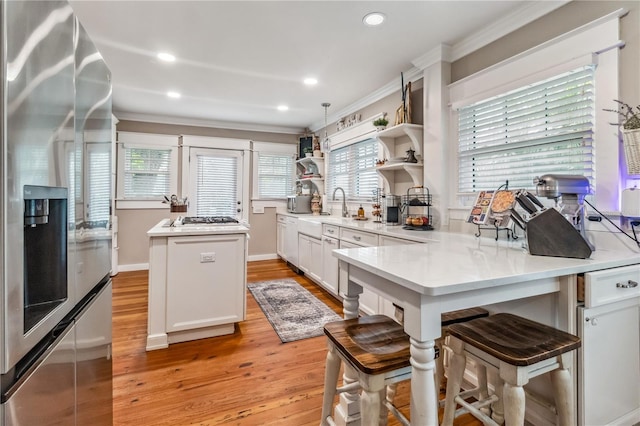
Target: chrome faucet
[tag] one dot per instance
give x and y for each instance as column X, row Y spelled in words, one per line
column 345, row 212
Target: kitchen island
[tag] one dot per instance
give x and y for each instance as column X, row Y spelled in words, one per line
column 197, row 281
column 456, row 271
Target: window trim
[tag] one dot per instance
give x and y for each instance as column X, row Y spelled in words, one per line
column 350, row 197
column 596, row 42
column 144, row 141
column 270, row 148
column 197, row 142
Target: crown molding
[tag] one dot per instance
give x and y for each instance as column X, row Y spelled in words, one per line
column 229, row 125
column 503, row 26
column 441, row 53
column 393, row 86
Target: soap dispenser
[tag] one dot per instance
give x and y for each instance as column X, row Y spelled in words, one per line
column 360, row 211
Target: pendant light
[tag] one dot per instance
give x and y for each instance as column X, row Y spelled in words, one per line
column 325, row 142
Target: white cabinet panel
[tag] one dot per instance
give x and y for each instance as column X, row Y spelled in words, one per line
column 310, row 256
column 291, row 241
column 330, row 264
column 608, row 385
column 205, row 281
column 368, row 299
column 281, row 229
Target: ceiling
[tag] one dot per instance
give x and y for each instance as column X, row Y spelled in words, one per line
column 236, row 61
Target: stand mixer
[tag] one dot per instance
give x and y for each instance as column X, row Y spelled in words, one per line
column 568, row 192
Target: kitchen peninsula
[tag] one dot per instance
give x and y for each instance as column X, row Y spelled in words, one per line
column 197, row 281
column 455, row 271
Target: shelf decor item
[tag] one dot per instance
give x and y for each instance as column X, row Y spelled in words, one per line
column 381, row 123
column 629, row 120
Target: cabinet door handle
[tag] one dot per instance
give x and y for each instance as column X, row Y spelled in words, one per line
column 628, row 284
column 330, row 231
column 355, row 237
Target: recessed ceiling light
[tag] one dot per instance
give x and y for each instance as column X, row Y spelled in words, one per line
column 282, row 108
column 174, row 95
column 310, row 81
column 374, row 18
column 167, row 57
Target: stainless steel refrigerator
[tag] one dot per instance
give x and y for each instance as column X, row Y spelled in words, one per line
column 55, row 206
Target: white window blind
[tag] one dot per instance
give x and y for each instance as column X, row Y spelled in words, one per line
column 217, row 184
column 147, row 173
column 353, row 168
column 275, row 175
column 99, row 182
column 545, row 127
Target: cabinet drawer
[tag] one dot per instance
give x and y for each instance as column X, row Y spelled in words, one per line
column 393, row 241
column 611, row 285
column 358, row 237
column 330, row 230
column 282, row 219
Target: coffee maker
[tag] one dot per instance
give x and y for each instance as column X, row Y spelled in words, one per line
column 392, row 210
column 568, row 192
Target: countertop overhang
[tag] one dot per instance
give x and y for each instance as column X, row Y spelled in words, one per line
column 452, row 263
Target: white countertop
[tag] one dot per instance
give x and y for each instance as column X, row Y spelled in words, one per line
column 452, row 263
column 162, row 229
column 367, row 225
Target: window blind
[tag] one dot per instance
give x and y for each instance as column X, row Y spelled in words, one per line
column 275, row 175
column 146, row 173
column 217, row 185
column 99, row 183
column 353, row 168
column 546, row 127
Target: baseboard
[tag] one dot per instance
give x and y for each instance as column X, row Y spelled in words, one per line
column 256, row 257
column 133, row 267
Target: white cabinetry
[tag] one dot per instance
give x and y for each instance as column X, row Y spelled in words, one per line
column 310, row 258
column 281, row 225
column 287, row 238
column 350, row 238
column 330, row 266
column 609, row 326
column 389, row 138
column 205, row 281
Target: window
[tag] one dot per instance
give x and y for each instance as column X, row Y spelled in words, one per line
column 275, row 175
column 353, row 168
column 274, row 171
column 98, row 181
column 546, row 127
column 146, row 173
column 147, row 169
column 217, row 179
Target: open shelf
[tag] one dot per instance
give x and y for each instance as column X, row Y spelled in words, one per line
column 413, row 169
column 413, row 131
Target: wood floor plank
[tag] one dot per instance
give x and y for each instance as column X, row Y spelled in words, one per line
column 247, row 378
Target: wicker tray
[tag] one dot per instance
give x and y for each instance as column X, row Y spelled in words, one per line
column 631, row 142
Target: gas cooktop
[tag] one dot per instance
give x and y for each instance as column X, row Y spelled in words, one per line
column 208, row 220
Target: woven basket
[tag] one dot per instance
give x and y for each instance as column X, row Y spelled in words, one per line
column 631, row 141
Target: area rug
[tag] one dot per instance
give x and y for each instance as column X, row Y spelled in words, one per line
column 294, row 313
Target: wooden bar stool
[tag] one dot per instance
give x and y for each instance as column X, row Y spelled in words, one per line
column 377, row 348
column 457, row 317
column 519, row 349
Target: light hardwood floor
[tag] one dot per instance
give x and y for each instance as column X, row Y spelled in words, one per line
column 248, row 378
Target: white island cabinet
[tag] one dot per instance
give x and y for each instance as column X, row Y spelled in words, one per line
column 197, row 282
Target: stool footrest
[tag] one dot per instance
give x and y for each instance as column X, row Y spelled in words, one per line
column 348, row 388
column 397, row 414
column 474, row 408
